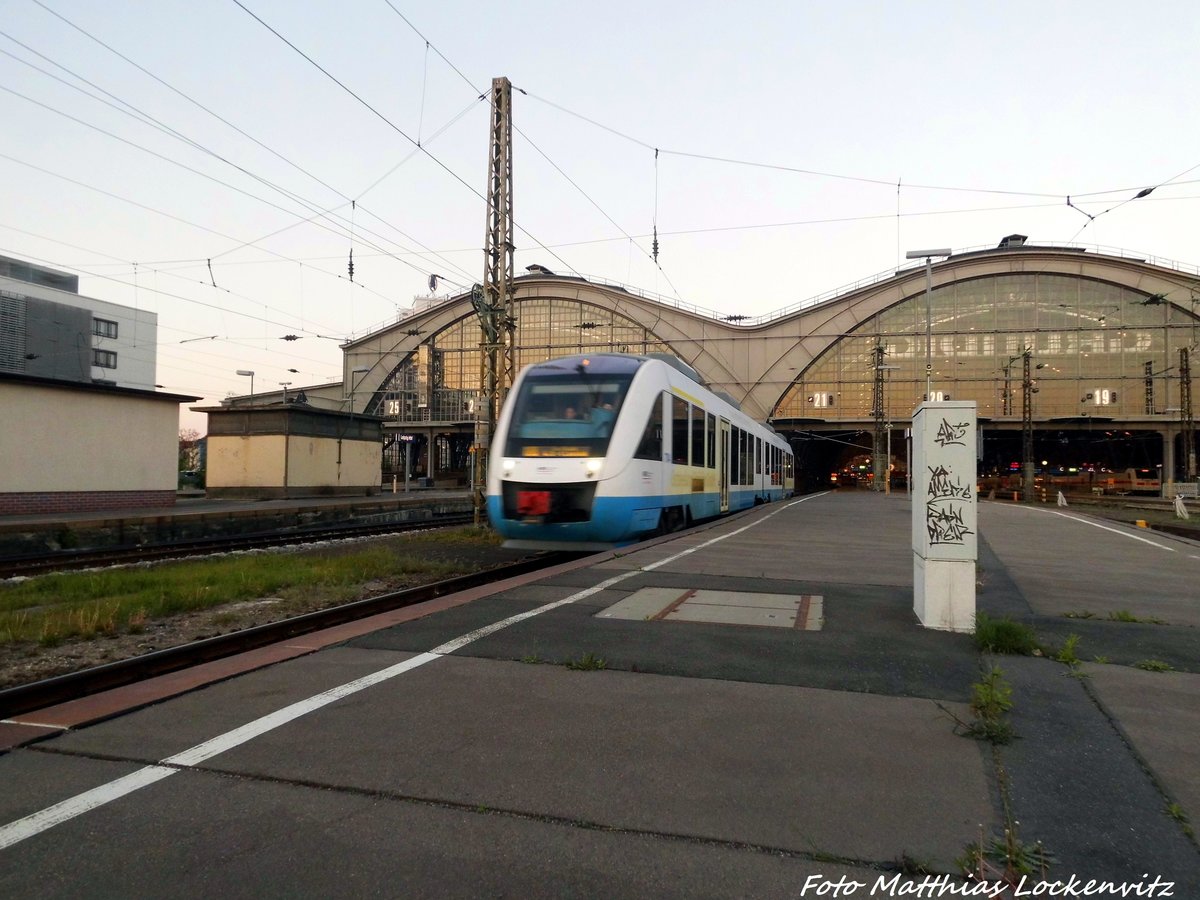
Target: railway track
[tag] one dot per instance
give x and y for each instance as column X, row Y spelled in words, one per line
column 71, row 686
column 63, row 560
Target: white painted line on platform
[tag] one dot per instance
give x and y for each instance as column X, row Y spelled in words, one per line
column 68, row 809
column 1133, row 537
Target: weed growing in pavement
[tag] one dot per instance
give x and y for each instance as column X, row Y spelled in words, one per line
column 1175, row 811
column 1006, row 858
column 1082, row 614
column 991, row 700
column 913, row 867
column 531, row 658
column 589, row 662
column 1124, row 615
column 1066, row 654
column 1003, row 636
column 1154, row 665
column 1103, row 660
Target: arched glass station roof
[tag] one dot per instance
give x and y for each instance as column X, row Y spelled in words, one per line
column 1096, row 349
column 440, row 381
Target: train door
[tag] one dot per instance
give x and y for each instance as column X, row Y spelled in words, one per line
column 723, row 455
column 650, row 450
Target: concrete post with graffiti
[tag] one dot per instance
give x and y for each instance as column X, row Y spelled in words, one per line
column 944, row 514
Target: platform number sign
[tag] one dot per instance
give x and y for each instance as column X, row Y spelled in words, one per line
column 392, row 407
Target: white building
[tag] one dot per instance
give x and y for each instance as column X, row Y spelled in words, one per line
column 49, row 330
column 84, row 429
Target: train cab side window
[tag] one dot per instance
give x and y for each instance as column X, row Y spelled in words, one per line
column 651, row 444
column 743, row 459
column 758, row 456
column 679, row 431
column 711, row 442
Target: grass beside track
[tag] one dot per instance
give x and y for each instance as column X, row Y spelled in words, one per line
column 50, row 609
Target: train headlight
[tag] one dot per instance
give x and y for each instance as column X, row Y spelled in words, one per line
column 594, row 466
column 508, row 465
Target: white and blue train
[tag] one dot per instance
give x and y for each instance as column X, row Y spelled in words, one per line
column 591, row 452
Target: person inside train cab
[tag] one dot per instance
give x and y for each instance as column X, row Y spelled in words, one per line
column 602, row 418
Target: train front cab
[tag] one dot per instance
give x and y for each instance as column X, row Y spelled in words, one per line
column 553, row 455
column 588, row 462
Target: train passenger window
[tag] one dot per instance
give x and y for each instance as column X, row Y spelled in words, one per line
column 679, row 430
column 710, row 430
column 651, row 444
column 697, row 436
column 758, row 456
column 735, row 456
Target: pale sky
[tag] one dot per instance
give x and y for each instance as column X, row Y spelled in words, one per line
column 802, row 146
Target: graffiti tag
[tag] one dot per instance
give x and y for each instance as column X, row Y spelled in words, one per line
column 945, row 524
column 944, row 505
column 941, row 486
column 951, row 434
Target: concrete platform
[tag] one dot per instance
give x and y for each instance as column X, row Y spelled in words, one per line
column 194, row 518
column 482, row 748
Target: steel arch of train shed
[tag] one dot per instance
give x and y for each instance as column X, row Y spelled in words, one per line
column 760, row 361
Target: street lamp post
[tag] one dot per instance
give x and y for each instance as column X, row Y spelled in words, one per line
column 250, row 373
column 881, row 458
column 1028, row 389
column 928, row 255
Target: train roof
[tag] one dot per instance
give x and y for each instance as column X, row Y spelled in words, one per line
column 618, row 364
column 624, row 364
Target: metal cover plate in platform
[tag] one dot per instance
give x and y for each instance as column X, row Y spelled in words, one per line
column 802, row 611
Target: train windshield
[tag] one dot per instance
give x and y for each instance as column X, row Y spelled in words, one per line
column 567, row 414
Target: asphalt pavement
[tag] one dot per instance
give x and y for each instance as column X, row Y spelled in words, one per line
column 747, row 709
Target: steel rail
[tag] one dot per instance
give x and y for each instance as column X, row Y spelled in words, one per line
column 63, row 560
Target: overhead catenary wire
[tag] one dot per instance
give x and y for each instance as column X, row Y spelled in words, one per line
column 653, row 254
column 1140, row 195
column 128, row 109
column 165, row 214
column 213, row 306
column 152, row 268
column 654, row 228
column 398, row 130
column 317, row 212
column 833, row 175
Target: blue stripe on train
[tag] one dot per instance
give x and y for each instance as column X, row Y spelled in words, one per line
column 620, row 518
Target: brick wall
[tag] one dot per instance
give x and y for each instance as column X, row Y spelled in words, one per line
column 38, row 503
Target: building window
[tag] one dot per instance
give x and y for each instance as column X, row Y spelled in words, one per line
column 104, row 328
column 105, row 359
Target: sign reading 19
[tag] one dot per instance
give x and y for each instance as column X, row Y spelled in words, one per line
column 1102, row 396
